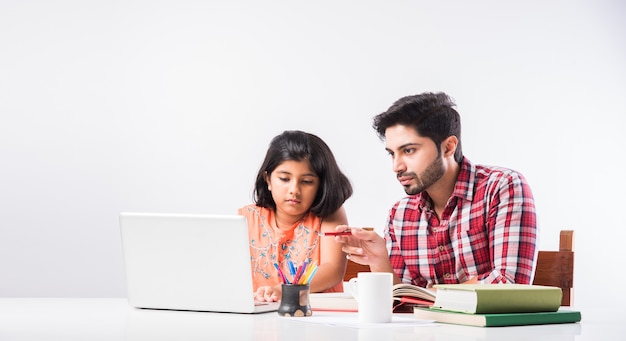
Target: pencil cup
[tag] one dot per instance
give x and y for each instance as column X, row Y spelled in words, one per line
column 295, row 301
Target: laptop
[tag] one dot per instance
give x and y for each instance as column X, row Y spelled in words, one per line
column 195, row 262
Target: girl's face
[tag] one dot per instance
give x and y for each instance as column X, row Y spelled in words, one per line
column 293, row 185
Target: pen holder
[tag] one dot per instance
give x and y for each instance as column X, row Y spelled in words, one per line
column 295, row 300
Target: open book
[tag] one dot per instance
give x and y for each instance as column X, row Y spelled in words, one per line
column 408, row 296
column 404, row 294
column 409, row 293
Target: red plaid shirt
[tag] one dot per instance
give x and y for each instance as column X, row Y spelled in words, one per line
column 488, row 229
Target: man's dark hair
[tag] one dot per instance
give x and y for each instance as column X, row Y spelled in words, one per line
column 432, row 115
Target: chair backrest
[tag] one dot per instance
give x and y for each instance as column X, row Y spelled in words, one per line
column 554, row 268
column 353, row 269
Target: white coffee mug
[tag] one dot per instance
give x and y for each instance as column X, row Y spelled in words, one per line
column 374, row 296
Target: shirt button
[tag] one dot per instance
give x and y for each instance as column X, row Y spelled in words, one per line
column 447, row 275
column 434, row 229
column 441, row 248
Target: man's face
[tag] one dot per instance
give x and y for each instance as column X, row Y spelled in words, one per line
column 416, row 160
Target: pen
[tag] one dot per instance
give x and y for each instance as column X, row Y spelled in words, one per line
column 344, row 233
column 309, row 275
column 306, row 275
column 300, row 271
column 292, row 268
column 280, row 272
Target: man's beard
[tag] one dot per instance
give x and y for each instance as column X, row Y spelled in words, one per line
column 429, row 176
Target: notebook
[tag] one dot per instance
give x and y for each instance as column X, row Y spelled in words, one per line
column 188, row 262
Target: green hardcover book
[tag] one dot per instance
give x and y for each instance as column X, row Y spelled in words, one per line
column 497, row 320
column 497, row 298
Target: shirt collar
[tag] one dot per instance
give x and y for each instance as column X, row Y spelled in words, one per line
column 464, row 186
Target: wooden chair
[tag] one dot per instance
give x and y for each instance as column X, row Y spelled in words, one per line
column 353, row 269
column 554, row 268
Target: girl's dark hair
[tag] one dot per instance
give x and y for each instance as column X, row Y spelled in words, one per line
column 432, row 115
column 335, row 188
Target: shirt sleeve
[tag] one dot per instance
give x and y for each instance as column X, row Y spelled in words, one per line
column 394, row 230
column 512, row 231
column 395, row 256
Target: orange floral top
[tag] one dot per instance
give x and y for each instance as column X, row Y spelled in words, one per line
column 269, row 245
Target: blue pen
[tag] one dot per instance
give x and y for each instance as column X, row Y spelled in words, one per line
column 299, row 273
column 292, row 268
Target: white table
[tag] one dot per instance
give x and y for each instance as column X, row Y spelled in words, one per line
column 69, row 319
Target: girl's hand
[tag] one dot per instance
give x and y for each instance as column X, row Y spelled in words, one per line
column 268, row 293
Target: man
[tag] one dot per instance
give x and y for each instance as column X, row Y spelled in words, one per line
column 461, row 222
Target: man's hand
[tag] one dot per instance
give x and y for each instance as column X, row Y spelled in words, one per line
column 364, row 246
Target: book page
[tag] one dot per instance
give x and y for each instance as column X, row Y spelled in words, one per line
column 405, row 289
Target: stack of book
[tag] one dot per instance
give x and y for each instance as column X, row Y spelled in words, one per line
column 497, row 305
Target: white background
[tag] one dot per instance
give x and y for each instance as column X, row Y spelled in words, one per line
column 168, row 106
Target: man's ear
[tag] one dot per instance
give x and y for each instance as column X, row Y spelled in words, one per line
column 449, row 145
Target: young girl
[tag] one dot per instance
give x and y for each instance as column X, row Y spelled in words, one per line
column 299, row 192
